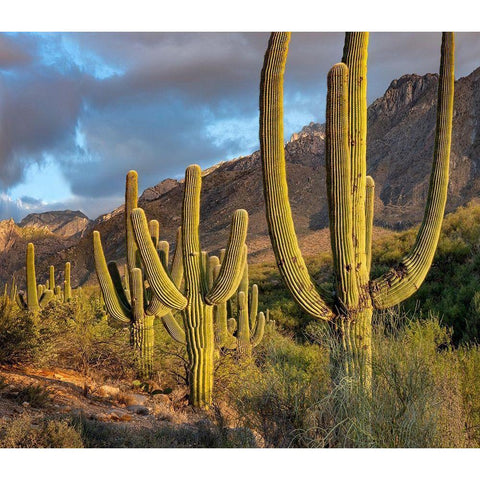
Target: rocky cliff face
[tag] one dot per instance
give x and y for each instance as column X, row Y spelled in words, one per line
column 65, row 223
column 400, row 150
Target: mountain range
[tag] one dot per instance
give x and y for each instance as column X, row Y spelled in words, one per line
column 401, row 128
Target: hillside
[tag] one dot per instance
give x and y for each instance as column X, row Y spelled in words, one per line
column 400, row 148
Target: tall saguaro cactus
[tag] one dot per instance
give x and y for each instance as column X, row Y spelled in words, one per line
column 350, row 197
column 197, row 301
column 36, row 297
column 140, row 307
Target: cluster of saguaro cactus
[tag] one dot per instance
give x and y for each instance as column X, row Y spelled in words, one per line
column 241, row 334
column 350, row 198
column 10, row 294
column 37, row 295
column 50, row 284
column 133, row 302
column 197, row 300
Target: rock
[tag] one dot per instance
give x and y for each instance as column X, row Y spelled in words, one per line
column 138, row 409
column 162, row 398
column 107, row 391
column 25, row 404
column 135, row 399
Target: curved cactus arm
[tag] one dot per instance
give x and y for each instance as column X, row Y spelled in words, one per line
column 279, row 216
column 355, row 55
column 176, row 271
column 159, row 280
column 173, row 328
column 117, row 284
column 259, row 331
column 369, row 211
column 114, row 306
column 253, row 307
column 21, row 302
column 32, row 295
column 404, row 280
column 47, row 295
column 156, row 308
column 231, row 270
column 339, row 191
column 154, row 228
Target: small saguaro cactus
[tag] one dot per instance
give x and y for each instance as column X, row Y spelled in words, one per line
column 37, row 295
column 350, row 198
column 247, row 331
column 198, row 300
column 67, row 287
column 136, row 306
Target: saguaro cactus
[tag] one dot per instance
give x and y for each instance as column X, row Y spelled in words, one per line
column 196, row 303
column 67, row 287
column 350, row 198
column 37, row 296
column 140, row 307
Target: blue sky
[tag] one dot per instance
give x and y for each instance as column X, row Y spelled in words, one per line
column 78, row 110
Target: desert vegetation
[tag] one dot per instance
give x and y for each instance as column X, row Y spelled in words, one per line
column 181, row 347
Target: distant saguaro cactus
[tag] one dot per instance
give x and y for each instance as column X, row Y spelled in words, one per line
column 196, row 304
column 136, row 306
column 37, row 296
column 350, row 198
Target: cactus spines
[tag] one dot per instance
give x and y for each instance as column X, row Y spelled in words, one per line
column 350, row 195
column 198, row 301
column 136, row 306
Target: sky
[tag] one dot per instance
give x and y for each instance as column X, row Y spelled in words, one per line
column 78, row 110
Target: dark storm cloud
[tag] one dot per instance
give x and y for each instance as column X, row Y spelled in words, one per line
column 101, row 104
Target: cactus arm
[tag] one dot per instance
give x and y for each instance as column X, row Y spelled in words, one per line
column 131, row 199
column 67, row 285
column 159, row 280
column 243, row 332
column 117, row 284
column 156, row 307
column 339, row 191
column 253, row 307
column 231, row 325
column 176, row 272
column 40, row 289
column 21, row 302
column 259, row 330
column 113, row 304
column 369, row 211
column 32, row 296
column 51, row 282
column 355, row 56
column 46, row 296
column 138, row 312
column 154, row 228
column 213, row 270
column 404, row 280
column 231, row 270
column 58, row 290
column 279, row 216
column 163, row 248
column 173, row 328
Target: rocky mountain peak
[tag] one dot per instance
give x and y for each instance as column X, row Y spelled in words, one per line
column 64, row 223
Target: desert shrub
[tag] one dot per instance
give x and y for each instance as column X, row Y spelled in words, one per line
column 416, row 398
column 273, row 395
column 200, row 434
column 18, row 334
column 35, row 395
column 25, row 432
column 78, row 335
